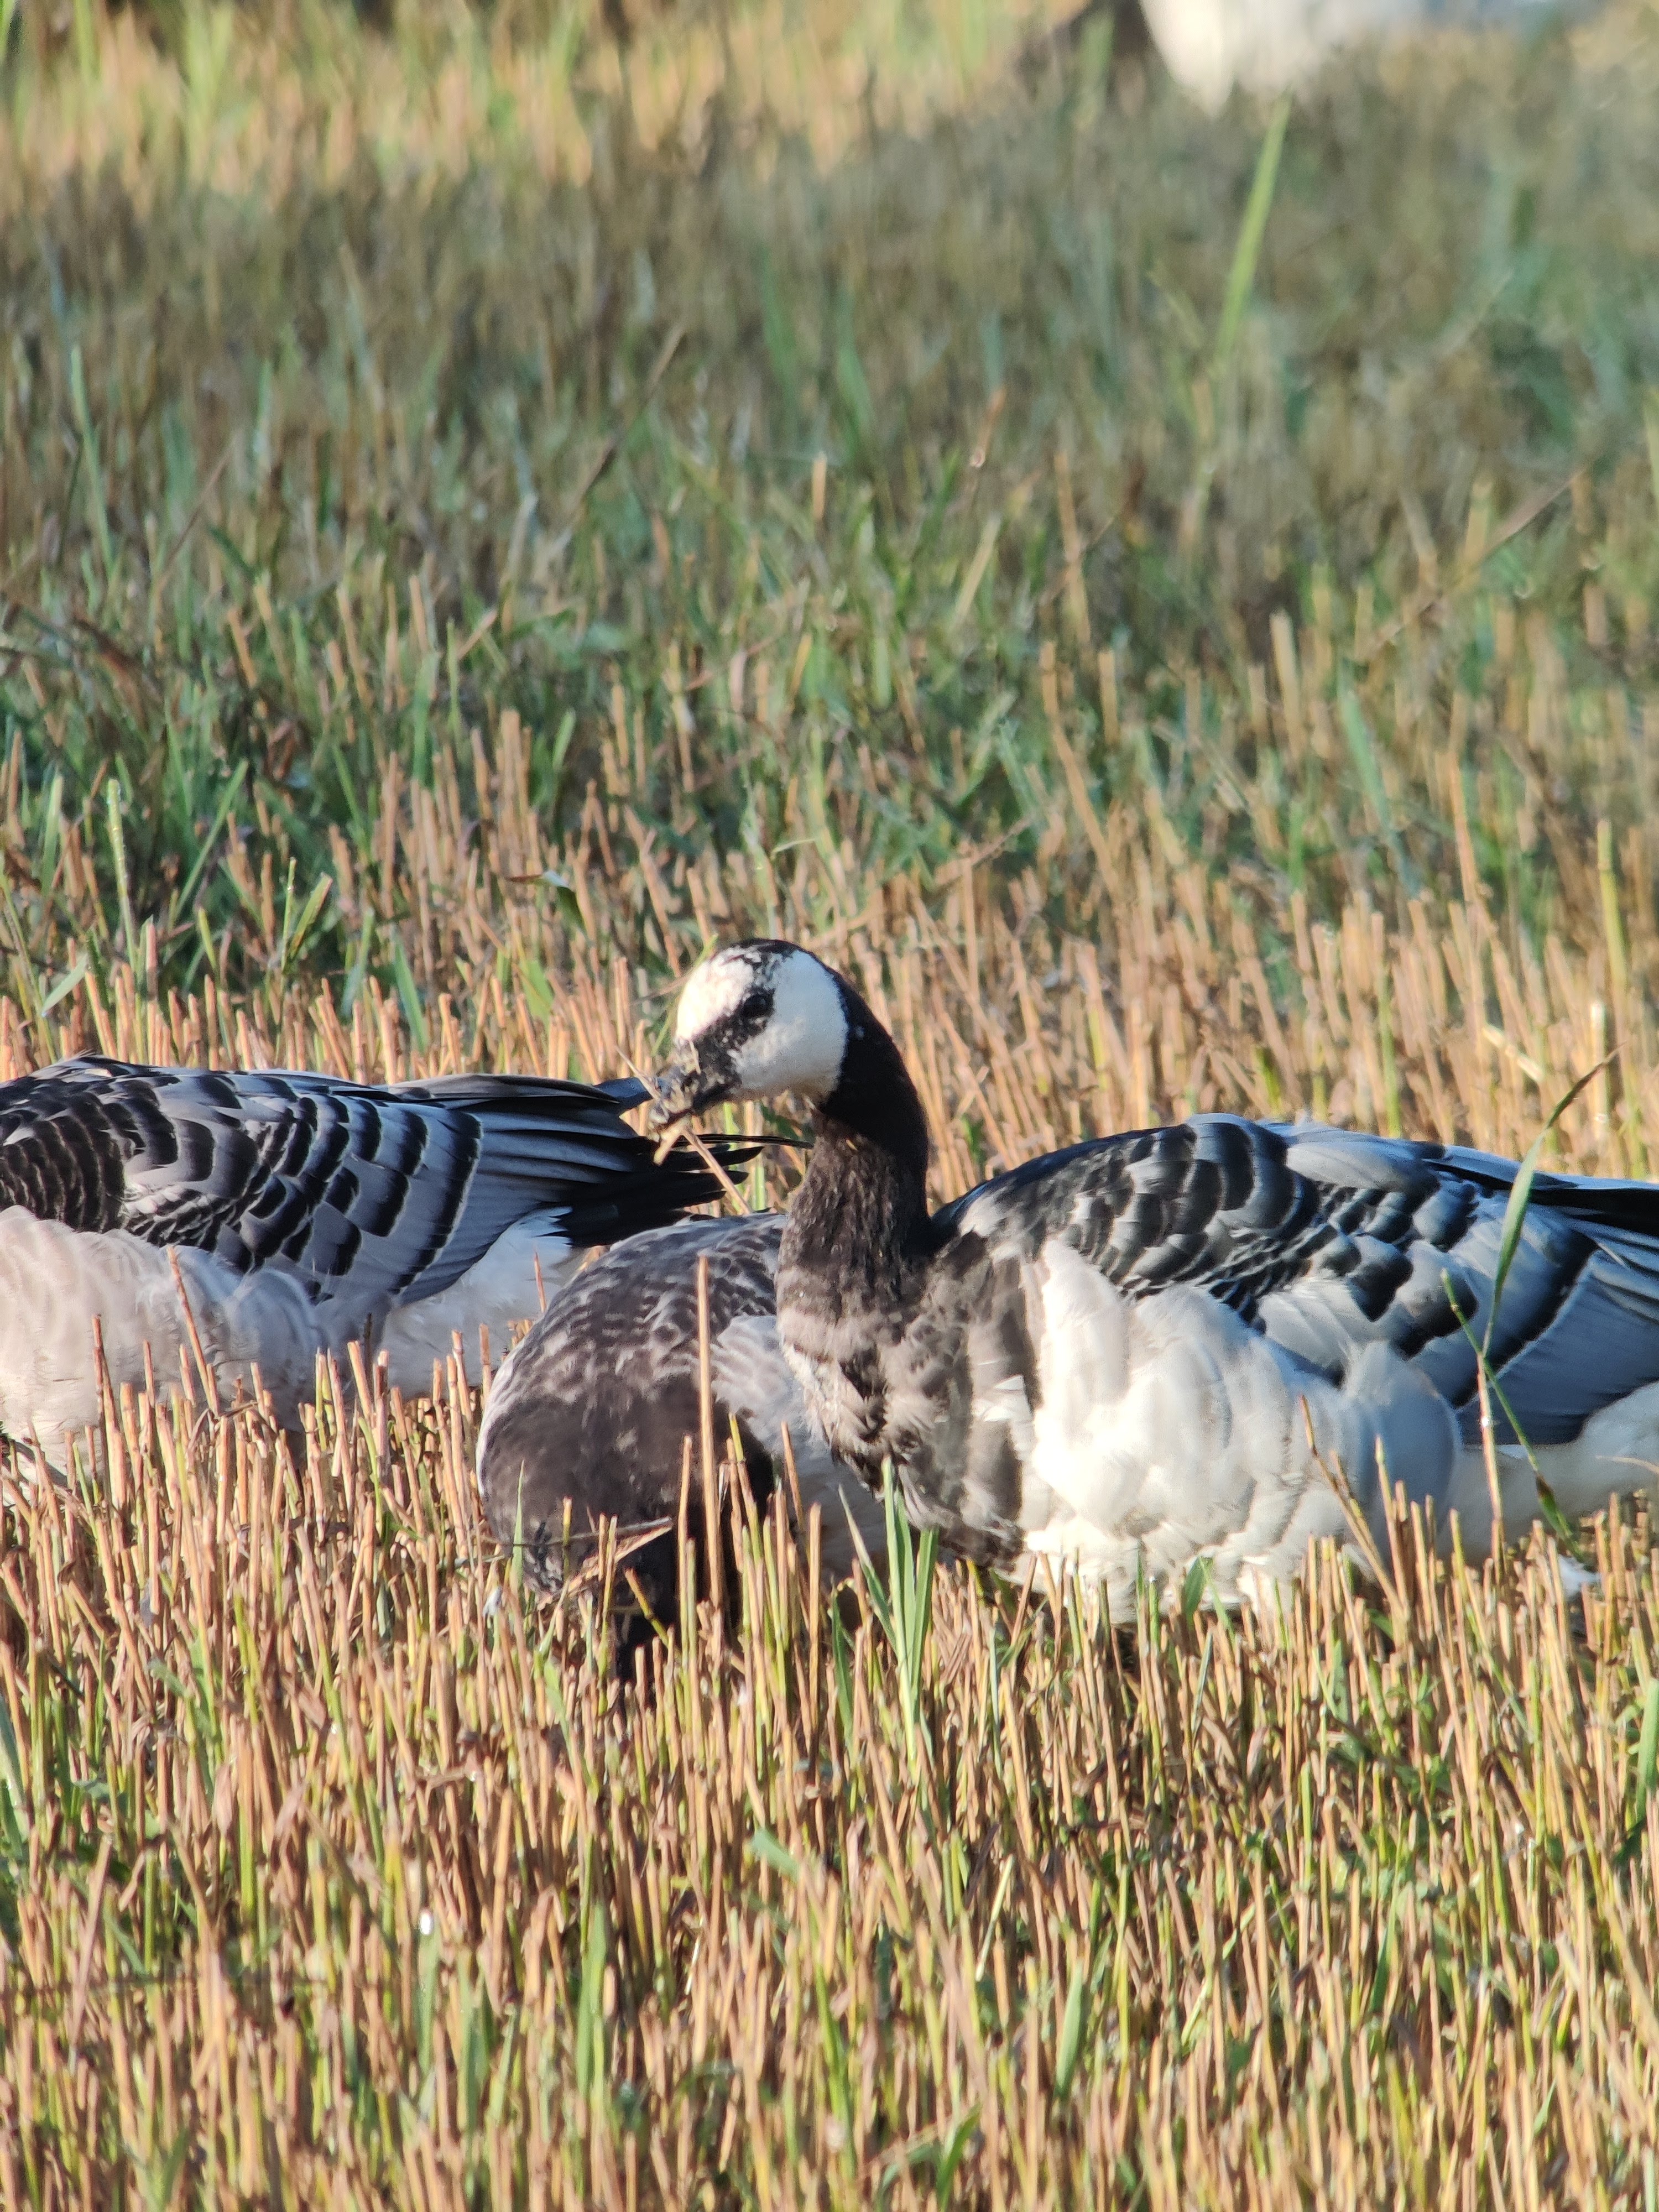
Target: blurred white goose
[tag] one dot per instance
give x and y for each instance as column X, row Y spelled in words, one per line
column 1210, row 46
column 594, row 1409
column 1104, row 1355
column 299, row 1213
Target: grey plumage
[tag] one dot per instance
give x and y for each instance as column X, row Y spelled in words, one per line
column 301, row 1212
column 1114, row 1354
column 594, row 1407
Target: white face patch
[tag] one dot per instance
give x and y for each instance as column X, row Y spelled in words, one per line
column 715, row 989
column 801, row 1044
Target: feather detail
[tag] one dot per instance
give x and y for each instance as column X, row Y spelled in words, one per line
column 304, row 1213
column 594, row 1409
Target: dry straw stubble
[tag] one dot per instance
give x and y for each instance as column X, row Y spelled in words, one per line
column 1143, row 740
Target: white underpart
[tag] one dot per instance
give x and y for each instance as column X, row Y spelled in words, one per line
column 801, row 1047
column 1616, row 1451
column 496, row 1294
column 750, row 1376
column 1167, row 1430
column 62, row 1280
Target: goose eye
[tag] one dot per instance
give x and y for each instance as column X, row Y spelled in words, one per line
column 754, row 1007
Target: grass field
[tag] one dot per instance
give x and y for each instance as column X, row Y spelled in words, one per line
column 482, row 514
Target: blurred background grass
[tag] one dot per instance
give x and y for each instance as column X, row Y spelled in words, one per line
column 491, row 499
column 748, row 408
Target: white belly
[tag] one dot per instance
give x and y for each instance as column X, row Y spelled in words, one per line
column 1616, row 1451
column 1168, row 1430
column 494, row 1296
column 1211, row 45
column 55, row 1282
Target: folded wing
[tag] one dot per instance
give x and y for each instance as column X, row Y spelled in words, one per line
column 1326, row 1241
column 373, row 1197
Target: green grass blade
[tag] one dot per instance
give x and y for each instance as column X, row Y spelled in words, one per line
column 1241, row 277
column 1515, row 1213
column 1647, row 1756
column 1071, row 2033
column 206, row 850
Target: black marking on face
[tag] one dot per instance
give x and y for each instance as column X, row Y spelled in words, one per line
column 743, row 1025
column 710, row 1057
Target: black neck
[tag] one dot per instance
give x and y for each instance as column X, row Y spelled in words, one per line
column 874, row 1101
column 862, row 1208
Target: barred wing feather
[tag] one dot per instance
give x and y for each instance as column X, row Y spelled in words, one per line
column 370, row 1196
column 1136, row 1323
column 593, row 1411
column 304, row 1212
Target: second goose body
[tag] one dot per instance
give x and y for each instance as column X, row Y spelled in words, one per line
column 1105, row 1355
column 296, row 1213
column 591, row 1414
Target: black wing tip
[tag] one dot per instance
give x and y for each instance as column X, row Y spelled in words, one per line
column 732, row 1153
column 686, row 1179
column 623, row 1091
column 657, row 1194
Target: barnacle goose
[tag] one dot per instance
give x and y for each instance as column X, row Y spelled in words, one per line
column 1104, row 1355
column 594, row 1407
column 300, row 1213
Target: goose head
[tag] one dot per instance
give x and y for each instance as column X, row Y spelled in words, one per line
column 754, row 1020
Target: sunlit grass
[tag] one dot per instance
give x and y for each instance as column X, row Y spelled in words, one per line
column 334, row 1864
column 465, row 544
